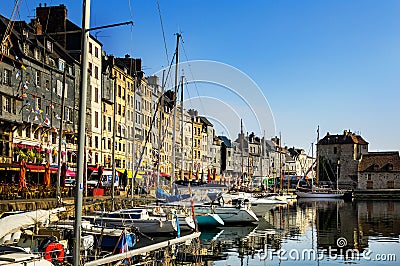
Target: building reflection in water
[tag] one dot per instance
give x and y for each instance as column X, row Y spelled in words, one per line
column 325, row 221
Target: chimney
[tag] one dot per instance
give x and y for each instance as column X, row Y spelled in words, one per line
column 53, row 19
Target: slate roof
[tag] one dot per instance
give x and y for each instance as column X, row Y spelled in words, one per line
column 346, row 138
column 228, row 142
column 380, row 162
column 205, row 121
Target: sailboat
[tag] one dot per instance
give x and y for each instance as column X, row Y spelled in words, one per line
column 319, row 192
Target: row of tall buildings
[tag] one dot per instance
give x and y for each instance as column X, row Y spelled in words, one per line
column 40, row 92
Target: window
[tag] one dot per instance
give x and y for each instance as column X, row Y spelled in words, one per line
column 67, row 114
column 39, row 103
column 96, row 142
column 61, row 64
column 28, row 132
column 28, row 78
column 96, row 52
column 38, row 79
column 335, row 150
column 90, row 68
column 109, row 123
column 47, row 110
column 369, row 177
column 7, row 104
column 49, row 46
column 96, row 95
column 96, row 72
column 104, row 122
column 47, row 84
column 36, row 54
column 90, row 48
column 7, row 77
column 96, row 119
column 59, row 88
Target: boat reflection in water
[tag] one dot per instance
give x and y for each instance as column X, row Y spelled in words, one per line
column 332, row 231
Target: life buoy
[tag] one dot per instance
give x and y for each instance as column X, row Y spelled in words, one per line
column 54, row 252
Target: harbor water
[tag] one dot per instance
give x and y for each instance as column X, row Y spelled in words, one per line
column 329, row 232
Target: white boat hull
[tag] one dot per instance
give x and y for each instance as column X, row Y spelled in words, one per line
column 230, row 214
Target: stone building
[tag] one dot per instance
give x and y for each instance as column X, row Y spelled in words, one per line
column 39, row 90
column 379, row 170
column 338, row 155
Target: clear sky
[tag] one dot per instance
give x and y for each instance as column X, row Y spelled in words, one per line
column 335, row 64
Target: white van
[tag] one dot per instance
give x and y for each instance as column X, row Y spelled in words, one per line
column 106, row 179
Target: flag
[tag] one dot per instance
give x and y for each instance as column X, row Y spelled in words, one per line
column 57, row 116
column 46, row 122
column 51, row 106
column 36, row 118
column 23, row 67
column 25, row 87
column 17, row 74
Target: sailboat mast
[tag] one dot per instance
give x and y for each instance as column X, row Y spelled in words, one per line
column 160, row 120
column 174, row 120
column 182, row 135
column 241, row 148
column 317, row 158
column 280, row 163
column 81, row 131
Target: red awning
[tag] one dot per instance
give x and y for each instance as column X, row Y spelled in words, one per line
column 92, row 168
column 35, row 168
column 164, row 174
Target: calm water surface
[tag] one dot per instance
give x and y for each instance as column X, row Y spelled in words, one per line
column 330, row 232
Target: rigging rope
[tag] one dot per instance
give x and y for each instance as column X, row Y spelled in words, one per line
column 162, row 29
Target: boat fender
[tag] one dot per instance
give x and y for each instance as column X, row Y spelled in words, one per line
column 54, row 252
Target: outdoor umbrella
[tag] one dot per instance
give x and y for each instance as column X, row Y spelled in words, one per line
column 22, row 173
column 46, row 180
column 215, row 174
column 63, row 174
column 100, row 173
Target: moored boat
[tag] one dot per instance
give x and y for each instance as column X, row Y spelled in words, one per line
column 209, row 220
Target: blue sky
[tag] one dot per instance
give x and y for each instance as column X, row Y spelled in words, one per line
column 335, row 64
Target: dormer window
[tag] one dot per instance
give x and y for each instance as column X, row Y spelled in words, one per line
column 390, row 167
column 25, row 33
column 36, row 53
column 49, row 46
column 61, row 64
column 376, row 167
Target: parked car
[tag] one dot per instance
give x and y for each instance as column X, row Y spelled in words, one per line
column 106, row 179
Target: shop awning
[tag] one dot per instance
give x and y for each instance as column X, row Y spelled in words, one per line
column 35, row 168
column 8, row 167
